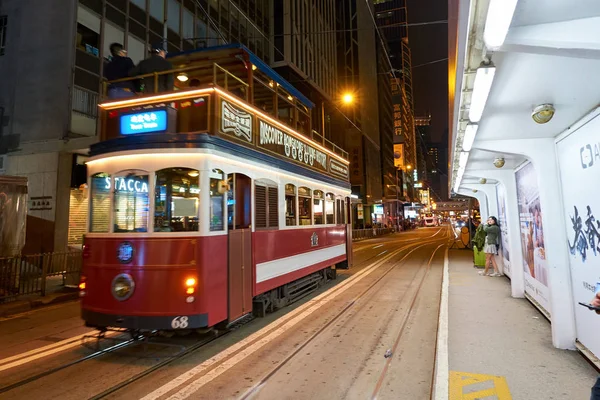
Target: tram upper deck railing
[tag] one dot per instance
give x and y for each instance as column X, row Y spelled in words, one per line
column 259, row 91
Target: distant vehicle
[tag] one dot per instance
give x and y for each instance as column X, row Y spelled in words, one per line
column 431, row 220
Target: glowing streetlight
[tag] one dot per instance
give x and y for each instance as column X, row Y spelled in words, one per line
column 409, row 166
column 348, row 98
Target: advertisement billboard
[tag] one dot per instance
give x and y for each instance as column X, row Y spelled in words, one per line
column 535, row 264
column 579, row 166
column 504, row 248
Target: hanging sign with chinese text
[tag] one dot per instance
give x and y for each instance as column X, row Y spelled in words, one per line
column 236, row 121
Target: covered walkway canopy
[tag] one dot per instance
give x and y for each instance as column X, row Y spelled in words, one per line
column 525, row 135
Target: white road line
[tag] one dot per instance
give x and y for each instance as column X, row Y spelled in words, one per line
column 35, row 354
column 379, row 245
column 442, row 365
column 269, row 333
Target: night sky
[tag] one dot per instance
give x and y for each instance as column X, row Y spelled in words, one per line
column 430, row 82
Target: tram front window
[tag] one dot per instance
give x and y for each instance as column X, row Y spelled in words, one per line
column 131, row 202
column 176, row 200
column 100, row 203
column 218, row 188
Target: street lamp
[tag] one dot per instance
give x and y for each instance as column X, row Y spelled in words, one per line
column 348, row 98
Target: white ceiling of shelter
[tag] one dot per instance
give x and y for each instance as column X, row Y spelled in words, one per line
column 551, row 55
column 533, row 12
column 524, row 81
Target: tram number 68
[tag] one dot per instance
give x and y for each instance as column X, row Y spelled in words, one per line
column 179, row 323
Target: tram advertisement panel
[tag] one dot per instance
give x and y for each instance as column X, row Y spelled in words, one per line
column 535, row 264
column 579, row 161
column 501, row 197
column 253, row 130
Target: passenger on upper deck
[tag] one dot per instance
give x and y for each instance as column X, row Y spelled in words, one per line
column 118, row 68
column 156, row 63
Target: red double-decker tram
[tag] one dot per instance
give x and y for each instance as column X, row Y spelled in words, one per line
column 211, row 200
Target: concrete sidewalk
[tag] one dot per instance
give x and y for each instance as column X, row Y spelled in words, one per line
column 501, row 346
column 56, row 292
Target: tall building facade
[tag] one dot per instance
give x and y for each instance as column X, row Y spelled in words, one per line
column 392, row 19
column 363, row 69
column 48, row 107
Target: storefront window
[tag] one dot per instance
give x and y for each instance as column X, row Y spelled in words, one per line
column 290, row 205
column 131, row 202
column 218, row 188
column 100, row 203
column 176, row 200
column 329, row 209
column 318, row 207
column 304, row 206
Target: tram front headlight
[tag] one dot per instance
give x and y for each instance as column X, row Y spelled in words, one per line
column 123, row 286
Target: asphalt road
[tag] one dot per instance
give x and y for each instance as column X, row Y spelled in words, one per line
column 370, row 333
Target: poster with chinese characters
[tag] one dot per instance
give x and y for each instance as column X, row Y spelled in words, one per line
column 535, row 264
column 579, row 166
column 501, row 197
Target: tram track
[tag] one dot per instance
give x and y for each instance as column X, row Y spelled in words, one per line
column 257, row 387
column 362, row 265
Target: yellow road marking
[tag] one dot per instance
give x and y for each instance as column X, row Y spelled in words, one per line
column 490, row 385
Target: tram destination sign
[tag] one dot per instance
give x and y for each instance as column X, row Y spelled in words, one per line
column 274, row 140
column 144, row 122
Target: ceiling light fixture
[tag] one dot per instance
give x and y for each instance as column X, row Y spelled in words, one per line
column 499, row 162
column 543, row 113
column 469, row 137
column 481, row 90
column 499, row 16
column 182, row 77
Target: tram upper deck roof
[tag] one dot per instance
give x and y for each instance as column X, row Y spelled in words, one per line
column 227, row 50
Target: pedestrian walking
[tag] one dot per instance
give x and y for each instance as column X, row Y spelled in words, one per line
column 490, row 247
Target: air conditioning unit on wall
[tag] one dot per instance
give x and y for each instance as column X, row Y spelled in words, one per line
column 3, row 163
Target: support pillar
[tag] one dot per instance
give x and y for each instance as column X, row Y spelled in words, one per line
column 542, row 153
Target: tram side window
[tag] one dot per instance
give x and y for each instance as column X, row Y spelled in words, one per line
column 217, row 190
column 100, row 204
column 290, row 205
column 176, row 200
column 338, row 211
column 329, row 209
column 131, row 203
column 318, row 207
column 266, row 206
column 304, row 206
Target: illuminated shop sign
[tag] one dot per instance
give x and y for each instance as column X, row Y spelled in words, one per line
column 337, row 168
column 135, row 185
column 279, row 142
column 236, row 121
column 153, row 121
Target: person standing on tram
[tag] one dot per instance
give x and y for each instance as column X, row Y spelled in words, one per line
column 155, row 63
column 118, row 68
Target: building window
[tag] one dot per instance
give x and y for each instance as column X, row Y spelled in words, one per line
column 140, row 3
column 217, row 199
column 173, row 15
column 100, row 203
column 157, row 10
column 176, row 200
column 3, row 22
column 290, row 205
column 131, row 202
column 87, row 40
column 304, row 206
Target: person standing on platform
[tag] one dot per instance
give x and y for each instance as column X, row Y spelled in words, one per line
column 490, row 248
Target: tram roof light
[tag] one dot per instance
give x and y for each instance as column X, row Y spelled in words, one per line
column 499, row 16
column 469, row 137
column 481, row 90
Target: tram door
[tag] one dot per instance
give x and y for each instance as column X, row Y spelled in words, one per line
column 348, row 212
column 239, row 218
